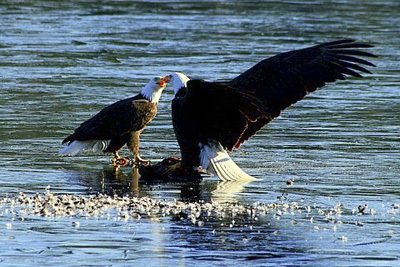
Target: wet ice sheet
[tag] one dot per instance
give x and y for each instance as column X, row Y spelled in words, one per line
column 63, row 61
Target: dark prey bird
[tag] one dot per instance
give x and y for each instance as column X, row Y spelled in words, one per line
column 210, row 118
column 118, row 124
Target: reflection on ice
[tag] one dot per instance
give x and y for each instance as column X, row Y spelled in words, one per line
column 227, row 191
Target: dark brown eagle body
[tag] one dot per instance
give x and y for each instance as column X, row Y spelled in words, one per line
column 226, row 114
column 119, row 123
column 213, row 114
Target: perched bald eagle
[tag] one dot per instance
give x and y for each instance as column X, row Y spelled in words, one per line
column 118, row 124
column 210, row 118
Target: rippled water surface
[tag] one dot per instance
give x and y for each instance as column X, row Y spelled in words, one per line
column 62, row 61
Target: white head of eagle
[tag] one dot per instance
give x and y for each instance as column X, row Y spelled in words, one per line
column 153, row 89
column 178, row 80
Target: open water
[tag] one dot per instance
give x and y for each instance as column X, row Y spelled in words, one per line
column 62, row 61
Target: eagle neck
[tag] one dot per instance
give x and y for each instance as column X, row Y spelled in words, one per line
column 152, row 95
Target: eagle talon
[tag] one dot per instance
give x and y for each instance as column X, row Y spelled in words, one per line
column 203, row 171
column 137, row 164
column 121, row 161
column 139, row 161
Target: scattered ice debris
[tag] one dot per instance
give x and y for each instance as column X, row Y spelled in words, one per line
column 290, row 182
column 358, row 223
column 199, row 214
column 362, row 209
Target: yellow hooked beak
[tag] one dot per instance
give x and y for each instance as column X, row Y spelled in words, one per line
column 163, row 81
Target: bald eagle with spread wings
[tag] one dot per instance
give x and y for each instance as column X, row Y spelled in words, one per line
column 211, row 118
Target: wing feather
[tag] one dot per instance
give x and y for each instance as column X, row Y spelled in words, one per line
column 282, row 80
column 115, row 120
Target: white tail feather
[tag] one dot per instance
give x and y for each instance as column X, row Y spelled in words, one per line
column 225, row 168
column 76, row 147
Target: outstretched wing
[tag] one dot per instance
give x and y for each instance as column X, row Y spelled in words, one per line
column 115, row 120
column 286, row 78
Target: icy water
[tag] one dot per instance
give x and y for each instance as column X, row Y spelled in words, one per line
column 62, row 61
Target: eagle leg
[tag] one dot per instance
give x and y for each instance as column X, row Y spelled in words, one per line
column 139, row 160
column 133, row 145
